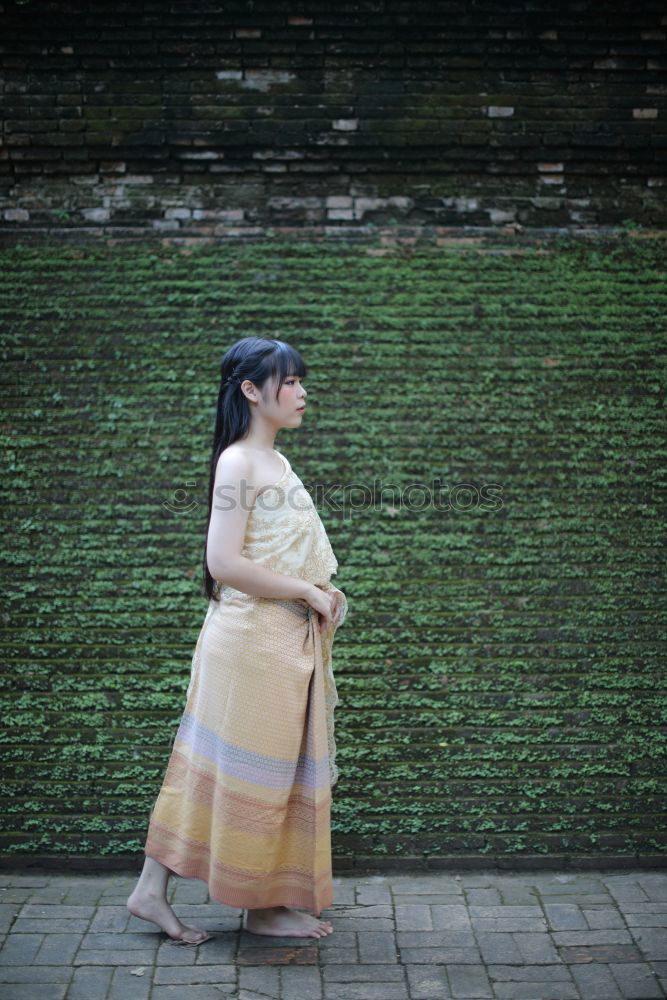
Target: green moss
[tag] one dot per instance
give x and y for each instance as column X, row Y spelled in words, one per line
column 500, row 672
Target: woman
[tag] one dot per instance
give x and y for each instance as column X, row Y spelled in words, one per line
column 245, row 802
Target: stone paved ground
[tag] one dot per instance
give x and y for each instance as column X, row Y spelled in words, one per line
column 516, row 936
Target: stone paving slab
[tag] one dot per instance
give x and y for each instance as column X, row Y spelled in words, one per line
column 443, row 936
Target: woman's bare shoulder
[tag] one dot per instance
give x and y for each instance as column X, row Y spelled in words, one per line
column 235, row 460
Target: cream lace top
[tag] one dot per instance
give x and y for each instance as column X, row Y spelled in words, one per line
column 285, row 533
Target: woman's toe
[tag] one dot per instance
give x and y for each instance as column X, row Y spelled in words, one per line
column 191, row 935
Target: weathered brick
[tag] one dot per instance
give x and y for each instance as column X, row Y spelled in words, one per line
column 194, row 974
column 366, row 991
column 296, row 983
column 467, row 980
column 41, row 991
column 57, row 949
column 373, row 972
column 124, row 984
column 20, row 949
column 428, row 983
column 10, row 974
column 260, row 979
column 377, row 947
column 595, row 982
column 90, row 983
column 114, row 956
column 110, row 918
column 55, row 912
column 413, row 917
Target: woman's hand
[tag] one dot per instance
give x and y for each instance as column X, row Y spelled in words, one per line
column 338, row 604
column 323, row 602
column 329, row 602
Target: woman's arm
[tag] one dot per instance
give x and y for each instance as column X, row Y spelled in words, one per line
column 233, row 498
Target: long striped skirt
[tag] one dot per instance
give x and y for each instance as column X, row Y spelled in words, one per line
column 245, row 804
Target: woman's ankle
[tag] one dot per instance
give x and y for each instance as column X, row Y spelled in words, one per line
column 149, row 892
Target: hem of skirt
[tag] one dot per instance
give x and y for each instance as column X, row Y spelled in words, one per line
column 243, row 898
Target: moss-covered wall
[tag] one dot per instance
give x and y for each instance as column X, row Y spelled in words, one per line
column 501, row 671
column 218, row 119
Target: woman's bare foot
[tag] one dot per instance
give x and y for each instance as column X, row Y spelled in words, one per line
column 280, row 921
column 158, row 911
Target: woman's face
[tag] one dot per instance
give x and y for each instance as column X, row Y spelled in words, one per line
column 288, row 409
column 292, row 397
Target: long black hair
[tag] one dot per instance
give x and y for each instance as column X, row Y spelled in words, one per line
column 257, row 359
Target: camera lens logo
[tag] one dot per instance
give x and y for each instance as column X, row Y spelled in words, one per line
column 178, row 504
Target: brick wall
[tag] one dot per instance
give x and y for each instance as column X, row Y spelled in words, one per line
column 217, row 120
column 501, row 671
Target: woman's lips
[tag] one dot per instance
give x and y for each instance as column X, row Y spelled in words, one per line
column 300, row 409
